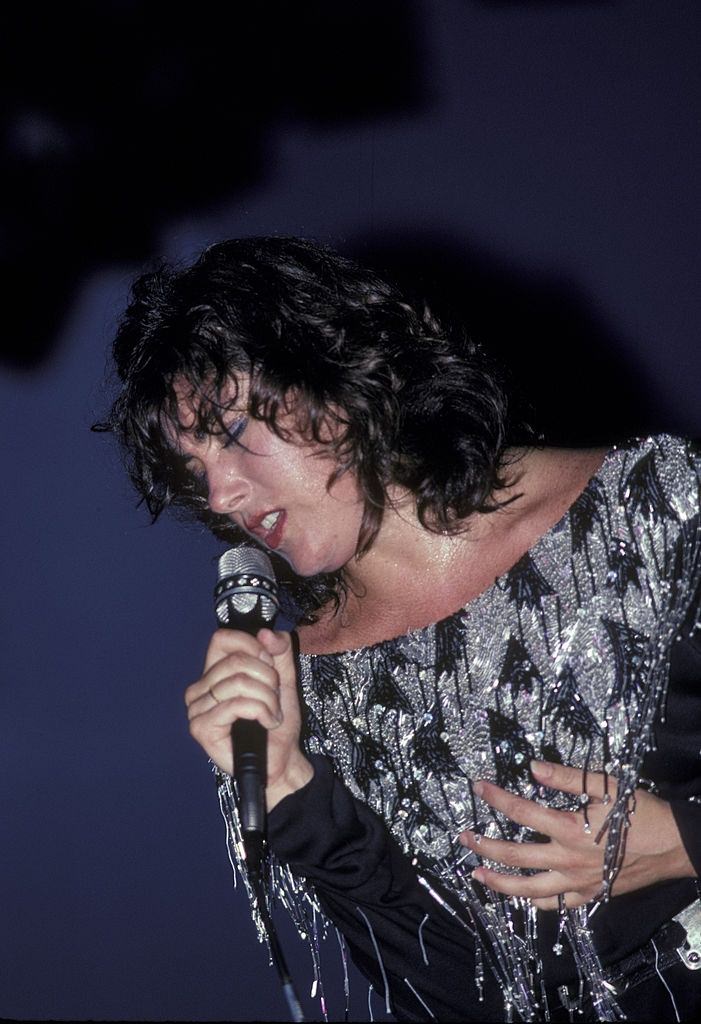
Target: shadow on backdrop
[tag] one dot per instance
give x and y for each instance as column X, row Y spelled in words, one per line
column 567, row 369
column 122, row 115
column 530, row 4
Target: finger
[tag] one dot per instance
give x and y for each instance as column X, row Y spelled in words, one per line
column 235, row 664
column 542, row 856
column 220, row 717
column 571, row 900
column 235, row 687
column 573, row 780
column 553, row 823
column 229, row 641
column 542, row 885
column 245, row 686
column 280, row 645
column 276, row 643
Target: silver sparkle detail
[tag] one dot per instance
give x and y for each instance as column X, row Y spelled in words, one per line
column 596, row 614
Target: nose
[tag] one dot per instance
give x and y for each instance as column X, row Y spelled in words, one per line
column 227, row 488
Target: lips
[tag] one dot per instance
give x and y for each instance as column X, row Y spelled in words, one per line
column 268, row 526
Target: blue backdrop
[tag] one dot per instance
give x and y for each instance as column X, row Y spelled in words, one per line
column 534, row 165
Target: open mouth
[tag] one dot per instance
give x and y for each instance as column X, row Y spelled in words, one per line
column 270, row 528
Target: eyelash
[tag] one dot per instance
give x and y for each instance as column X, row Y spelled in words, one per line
column 234, row 431
column 230, row 436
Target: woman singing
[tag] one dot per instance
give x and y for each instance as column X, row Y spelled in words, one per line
column 483, row 757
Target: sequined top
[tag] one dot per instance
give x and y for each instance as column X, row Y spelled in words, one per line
column 565, row 658
column 554, row 660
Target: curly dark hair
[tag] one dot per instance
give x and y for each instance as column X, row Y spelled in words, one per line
column 412, row 403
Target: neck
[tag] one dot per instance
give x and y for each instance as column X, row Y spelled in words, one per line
column 410, row 576
column 403, row 548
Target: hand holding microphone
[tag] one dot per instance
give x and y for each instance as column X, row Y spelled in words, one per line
column 245, row 598
column 244, row 712
column 249, row 677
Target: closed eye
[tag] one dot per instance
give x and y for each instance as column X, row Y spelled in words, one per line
column 233, row 432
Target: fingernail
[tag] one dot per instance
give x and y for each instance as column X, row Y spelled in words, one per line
column 478, row 788
column 478, row 874
column 541, row 768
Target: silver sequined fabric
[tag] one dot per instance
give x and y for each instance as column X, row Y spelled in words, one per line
column 565, row 657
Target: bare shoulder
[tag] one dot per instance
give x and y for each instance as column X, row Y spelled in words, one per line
column 433, row 575
column 557, row 476
column 545, row 484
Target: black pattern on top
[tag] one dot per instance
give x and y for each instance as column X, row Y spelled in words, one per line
column 409, row 721
column 624, row 567
column 526, row 584
column 512, row 751
column 585, row 513
column 629, row 650
column 518, row 673
column 429, row 749
column 643, row 491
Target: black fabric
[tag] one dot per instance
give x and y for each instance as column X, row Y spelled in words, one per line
column 340, row 845
column 335, row 841
column 652, row 1000
column 630, row 920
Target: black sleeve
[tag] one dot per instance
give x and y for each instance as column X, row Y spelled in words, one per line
column 680, row 738
column 687, row 815
column 675, row 764
column 336, row 841
column 369, row 889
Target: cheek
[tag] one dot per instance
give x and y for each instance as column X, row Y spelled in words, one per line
column 348, row 507
column 334, row 528
column 347, row 524
column 345, row 490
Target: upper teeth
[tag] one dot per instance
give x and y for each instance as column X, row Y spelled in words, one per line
column 270, row 520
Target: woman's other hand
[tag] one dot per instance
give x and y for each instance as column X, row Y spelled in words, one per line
column 252, row 678
column 571, row 863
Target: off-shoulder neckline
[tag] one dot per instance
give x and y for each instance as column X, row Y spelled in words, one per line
column 498, row 582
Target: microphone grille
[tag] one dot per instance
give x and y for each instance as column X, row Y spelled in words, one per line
column 246, row 589
column 245, row 560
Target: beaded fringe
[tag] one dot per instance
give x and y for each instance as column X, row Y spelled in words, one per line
column 636, row 528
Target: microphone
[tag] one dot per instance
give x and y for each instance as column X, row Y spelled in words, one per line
column 245, row 598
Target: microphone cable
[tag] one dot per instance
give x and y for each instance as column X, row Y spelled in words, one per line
column 276, row 954
column 245, row 598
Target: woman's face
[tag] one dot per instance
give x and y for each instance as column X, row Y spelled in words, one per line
column 275, row 490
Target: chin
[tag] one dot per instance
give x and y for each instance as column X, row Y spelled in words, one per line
column 298, row 567
column 311, row 563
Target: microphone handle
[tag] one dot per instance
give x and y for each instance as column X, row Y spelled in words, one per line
column 249, row 741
